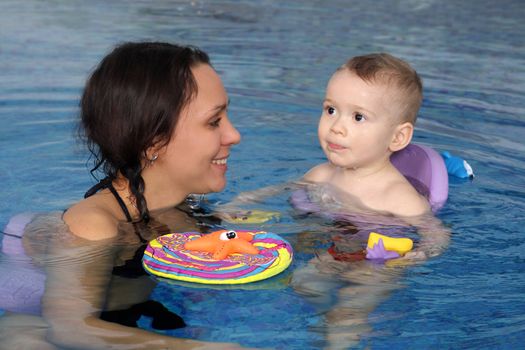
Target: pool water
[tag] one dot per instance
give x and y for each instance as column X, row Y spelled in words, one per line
column 275, row 58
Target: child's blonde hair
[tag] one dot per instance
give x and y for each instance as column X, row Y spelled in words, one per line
column 386, row 68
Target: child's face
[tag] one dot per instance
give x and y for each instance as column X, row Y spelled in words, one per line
column 358, row 122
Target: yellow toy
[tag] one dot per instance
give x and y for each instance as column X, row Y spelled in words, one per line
column 251, row 217
column 378, row 244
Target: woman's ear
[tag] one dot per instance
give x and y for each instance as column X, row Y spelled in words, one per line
column 152, row 153
column 402, row 136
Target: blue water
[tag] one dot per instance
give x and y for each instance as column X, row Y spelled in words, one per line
column 275, row 58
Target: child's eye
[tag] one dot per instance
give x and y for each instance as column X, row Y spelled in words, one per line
column 330, row 110
column 359, row 117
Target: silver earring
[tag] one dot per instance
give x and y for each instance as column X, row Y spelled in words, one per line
column 153, row 158
column 194, row 200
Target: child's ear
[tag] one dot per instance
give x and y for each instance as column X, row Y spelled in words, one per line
column 402, row 136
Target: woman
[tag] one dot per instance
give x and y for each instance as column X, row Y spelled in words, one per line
column 155, row 119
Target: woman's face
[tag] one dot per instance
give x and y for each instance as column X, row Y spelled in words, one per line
column 195, row 159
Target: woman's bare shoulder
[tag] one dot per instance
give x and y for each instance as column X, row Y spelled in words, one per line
column 91, row 219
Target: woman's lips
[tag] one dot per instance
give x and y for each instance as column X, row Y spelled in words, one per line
column 220, row 163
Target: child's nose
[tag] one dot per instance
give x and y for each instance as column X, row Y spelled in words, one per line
column 338, row 126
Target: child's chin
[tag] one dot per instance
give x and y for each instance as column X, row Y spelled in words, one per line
column 337, row 162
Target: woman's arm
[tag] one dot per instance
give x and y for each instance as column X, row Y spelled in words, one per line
column 238, row 209
column 258, row 195
column 75, row 295
column 78, row 274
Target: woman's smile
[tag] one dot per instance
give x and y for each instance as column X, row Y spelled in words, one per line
column 221, row 163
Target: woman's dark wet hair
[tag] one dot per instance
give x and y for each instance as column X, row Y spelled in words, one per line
column 131, row 102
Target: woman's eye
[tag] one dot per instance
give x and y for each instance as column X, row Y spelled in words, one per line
column 359, row 117
column 215, row 123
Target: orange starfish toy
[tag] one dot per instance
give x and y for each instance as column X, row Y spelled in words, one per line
column 223, row 243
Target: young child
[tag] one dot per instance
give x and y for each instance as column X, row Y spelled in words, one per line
column 369, row 112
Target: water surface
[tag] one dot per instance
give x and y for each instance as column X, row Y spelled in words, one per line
column 275, row 59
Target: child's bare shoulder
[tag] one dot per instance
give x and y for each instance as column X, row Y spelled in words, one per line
column 319, row 173
column 402, row 199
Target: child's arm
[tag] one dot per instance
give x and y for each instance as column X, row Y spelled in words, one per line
column 434, row 237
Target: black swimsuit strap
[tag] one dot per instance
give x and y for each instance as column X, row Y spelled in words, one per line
column 108, row 183
column 120, row 202
column 104, row 183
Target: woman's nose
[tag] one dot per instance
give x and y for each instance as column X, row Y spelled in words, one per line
column 231, row 135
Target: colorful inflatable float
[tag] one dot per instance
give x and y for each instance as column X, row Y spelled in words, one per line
column 220, row 257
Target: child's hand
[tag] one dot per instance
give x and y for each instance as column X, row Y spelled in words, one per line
column 415, row 255
column 410, row 258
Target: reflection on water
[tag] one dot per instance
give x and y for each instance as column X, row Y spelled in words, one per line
column 275, row 59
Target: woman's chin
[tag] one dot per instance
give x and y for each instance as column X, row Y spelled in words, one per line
column 218, row 185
